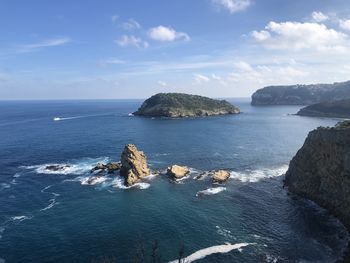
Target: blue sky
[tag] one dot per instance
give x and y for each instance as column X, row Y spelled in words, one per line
column 132, row 49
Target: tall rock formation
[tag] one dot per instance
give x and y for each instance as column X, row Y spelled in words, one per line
column 133, row 165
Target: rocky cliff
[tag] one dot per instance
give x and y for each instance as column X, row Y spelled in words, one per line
column 338, row 109
column 175, row 105
column 320, row 171
column 301, row 94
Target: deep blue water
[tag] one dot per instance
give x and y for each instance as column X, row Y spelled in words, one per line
column 55, row 218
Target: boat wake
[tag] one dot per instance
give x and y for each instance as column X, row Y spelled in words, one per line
column 200, row 254
column 57, row 118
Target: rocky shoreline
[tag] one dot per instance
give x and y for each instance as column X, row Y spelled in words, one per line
column 320, row 171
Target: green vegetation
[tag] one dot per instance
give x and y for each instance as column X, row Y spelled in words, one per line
column 343, row 124
column 301, row 94
column 184, row 105
column 339, row 108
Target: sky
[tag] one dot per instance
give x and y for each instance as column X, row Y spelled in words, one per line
column 115, row 49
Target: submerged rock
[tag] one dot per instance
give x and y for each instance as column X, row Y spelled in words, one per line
column 57, row 167
column 177, row 171
column 220, row 176
column 133, row 165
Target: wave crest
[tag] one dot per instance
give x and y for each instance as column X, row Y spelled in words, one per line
column 211, row 191
column 253, row 176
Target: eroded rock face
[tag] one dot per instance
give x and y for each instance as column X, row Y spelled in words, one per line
column 133, row 164
column 220, row 176
column 177, row 171
column 320, row 171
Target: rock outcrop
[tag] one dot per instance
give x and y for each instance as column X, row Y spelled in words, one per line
column 133, row 165
column 178, row 105
column 337, row 109
column 320, row 171
column 220, row 176
column 301, row 94
column 177, row 171
column 109, row 167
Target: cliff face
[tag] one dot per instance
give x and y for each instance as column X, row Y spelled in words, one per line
column 320, row 171
column 301, row 94
column 176, row 105
column 338, row 109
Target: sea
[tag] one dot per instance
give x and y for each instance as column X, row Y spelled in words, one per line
column 57, row 216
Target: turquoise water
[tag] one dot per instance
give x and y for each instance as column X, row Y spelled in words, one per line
column 55, row 217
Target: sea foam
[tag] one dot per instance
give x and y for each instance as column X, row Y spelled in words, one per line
column 75, row 167
column 211, row 191
column 21, row 218
column 200, row 254
column 253, row 176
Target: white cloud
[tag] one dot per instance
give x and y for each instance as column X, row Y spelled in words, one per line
column 126, row 41
column 319, row 16
column 243, row 66
column 345, row 24
column 131, row 24
column 114, row 18
column 266, row 75
column 162, row 83
column 198, row 79
column 111, row 61
column 46, row 43
column 166, row 34
column 297, row 36
column 233, row 6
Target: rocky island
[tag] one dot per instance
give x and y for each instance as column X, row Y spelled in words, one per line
column 337, row 109
column 320, row 171
column 177, row 105
column 301, row 94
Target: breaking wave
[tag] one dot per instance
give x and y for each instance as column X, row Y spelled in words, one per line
column 75, row 167
column 51, row 204
column 200, row 254
column 21, row 218
column 211, row 191
column 253, row 176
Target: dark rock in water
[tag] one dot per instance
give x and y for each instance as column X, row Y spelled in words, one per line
column 133, row 165
column 301, row 94
column 337, row 109
column 109, row 167
column 320, row 171
column 56, row 167
column 177, row 105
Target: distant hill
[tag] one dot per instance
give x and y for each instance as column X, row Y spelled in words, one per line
column 301, row 94
column 175, row 105
column 339, row 109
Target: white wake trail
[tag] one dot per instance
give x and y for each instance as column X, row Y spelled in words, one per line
column 200, row 254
